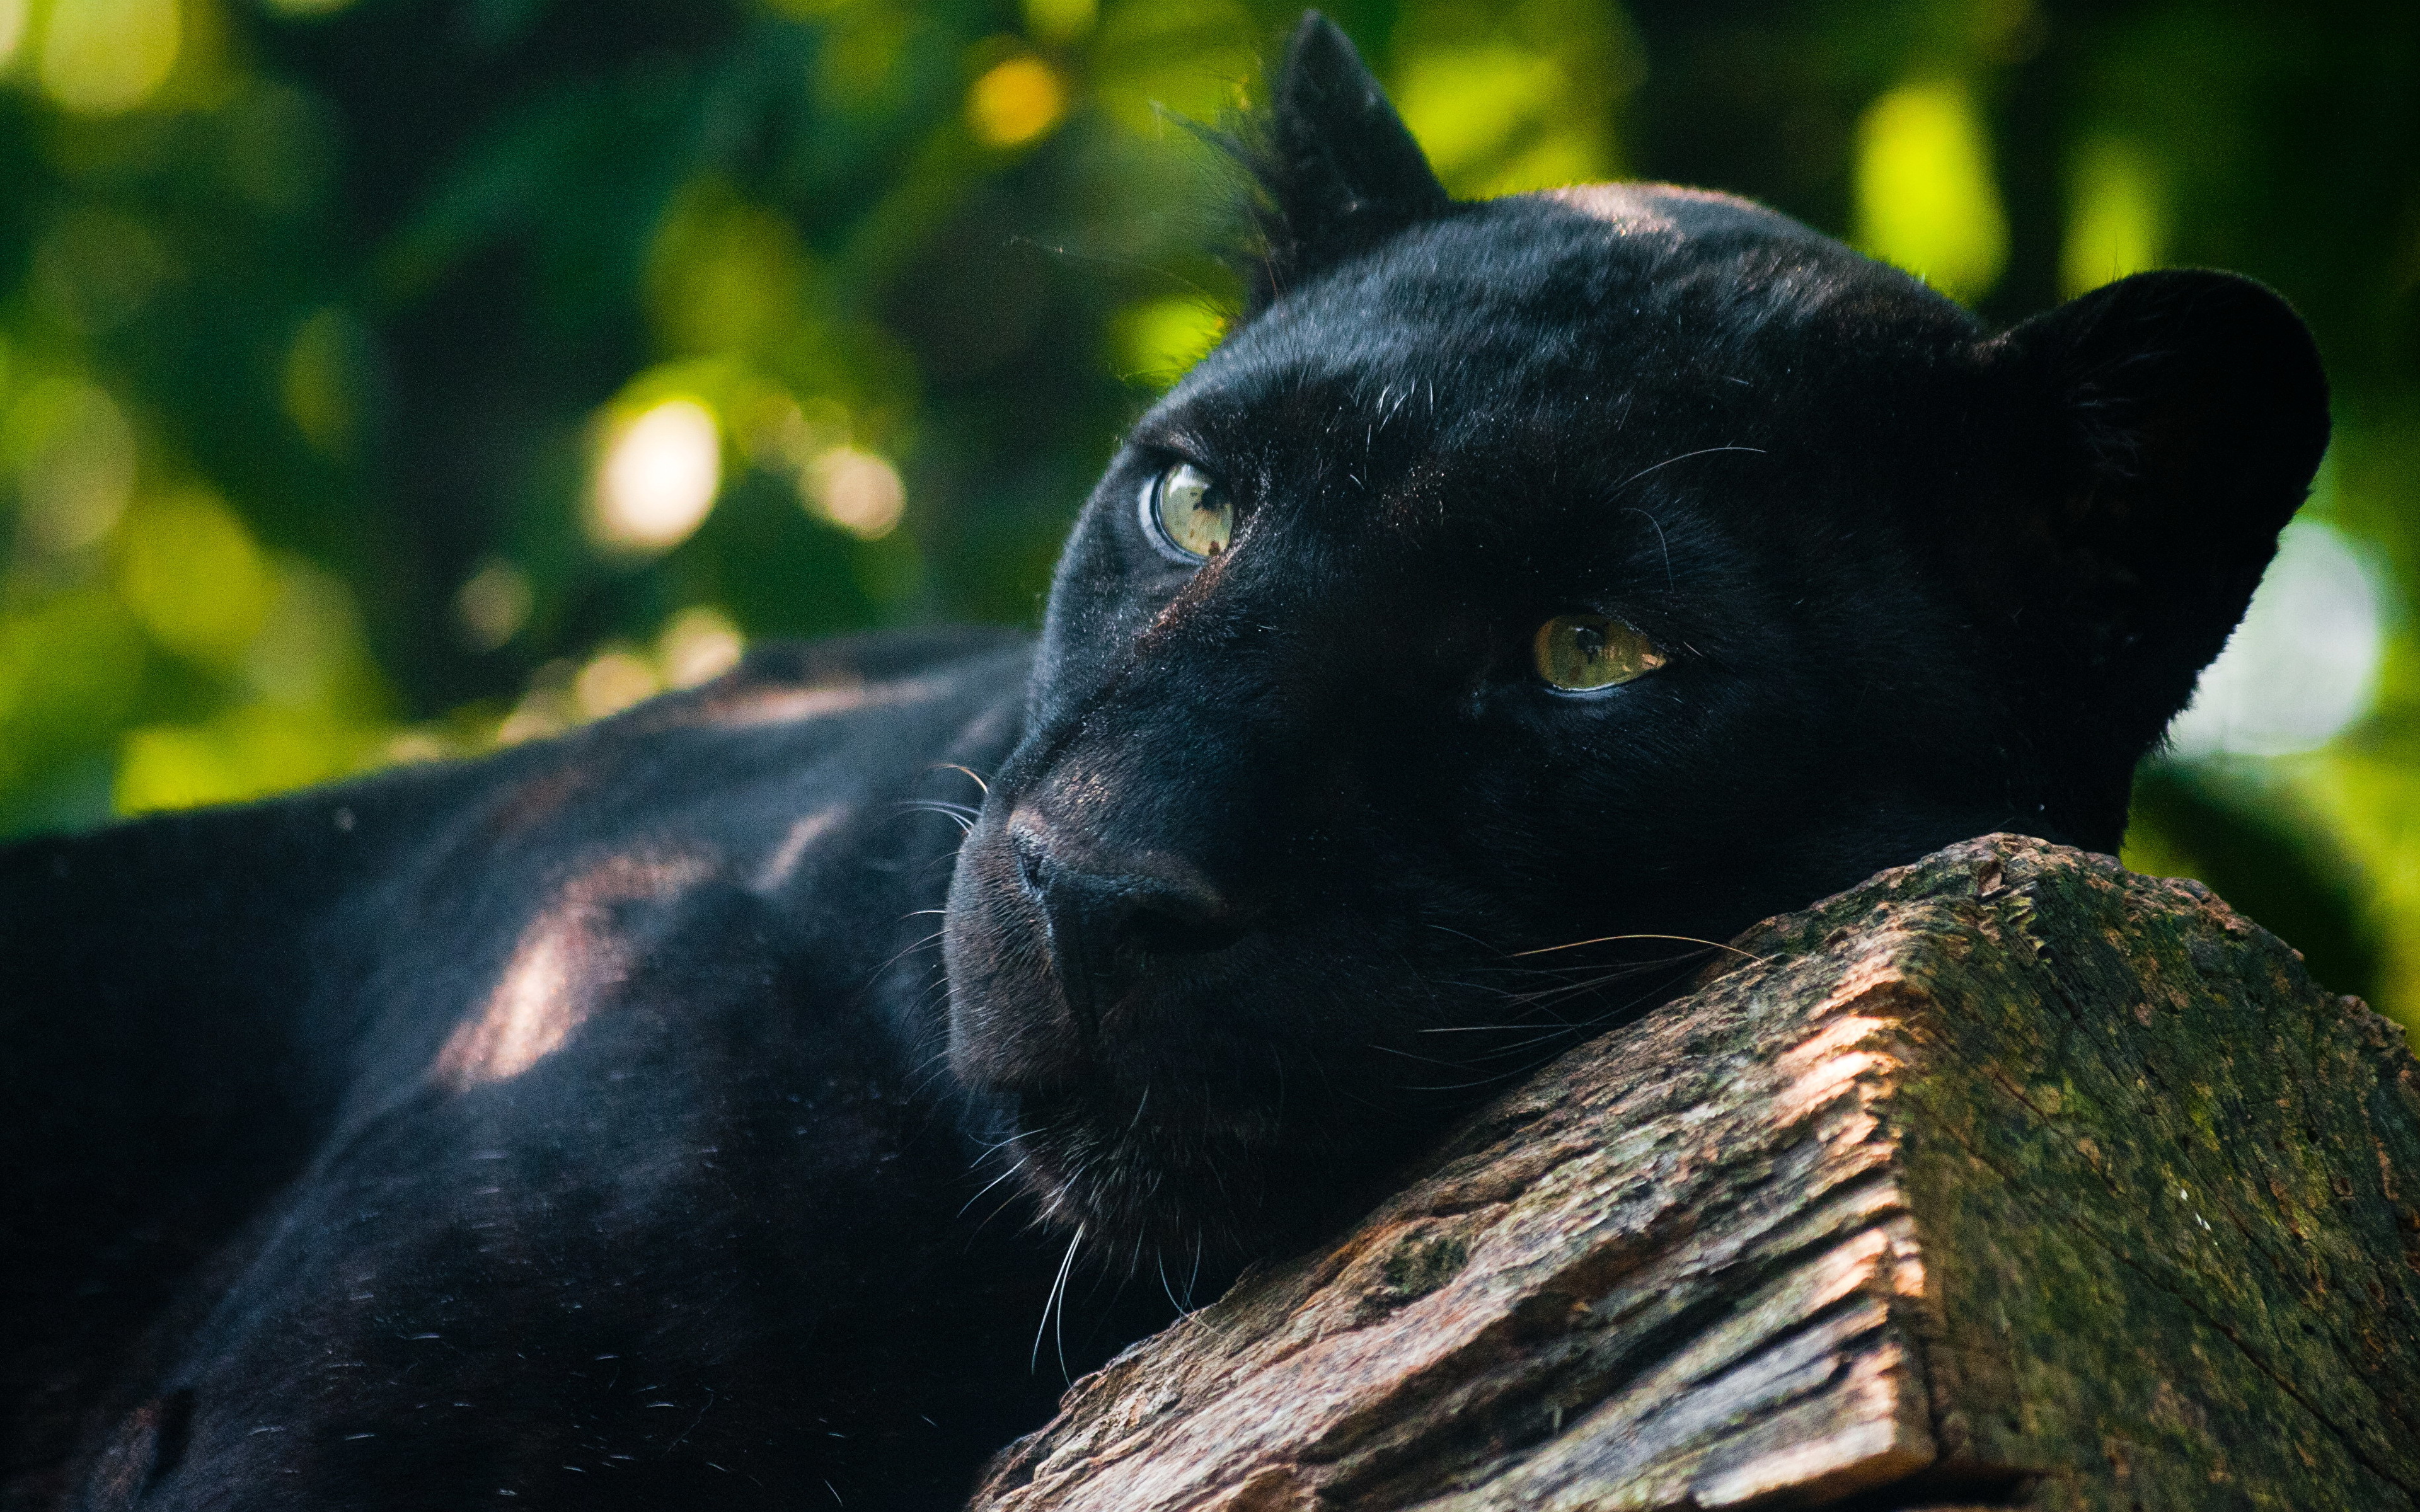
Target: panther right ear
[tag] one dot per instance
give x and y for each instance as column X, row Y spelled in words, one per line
column 2162, row 430
column 1337, row 166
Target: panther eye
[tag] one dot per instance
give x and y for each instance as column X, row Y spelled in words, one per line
column 1578, row 652
column 1187, row 513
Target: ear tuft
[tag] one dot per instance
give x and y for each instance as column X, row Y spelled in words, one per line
column 1337, row 166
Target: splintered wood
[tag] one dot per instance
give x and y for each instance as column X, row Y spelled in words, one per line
column 2009, row 1179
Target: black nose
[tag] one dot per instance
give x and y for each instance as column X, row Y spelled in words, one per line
column 1106, row 904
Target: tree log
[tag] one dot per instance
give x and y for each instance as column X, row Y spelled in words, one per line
column 2008, row 1177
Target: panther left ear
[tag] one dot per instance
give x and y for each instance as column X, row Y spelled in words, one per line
column 1338, row 167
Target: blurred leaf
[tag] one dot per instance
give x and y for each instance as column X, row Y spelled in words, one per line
column 1926, row 200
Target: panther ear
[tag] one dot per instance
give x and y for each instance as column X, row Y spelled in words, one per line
column 2165, row 428
column 1335, row 164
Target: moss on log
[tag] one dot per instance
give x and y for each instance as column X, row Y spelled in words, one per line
column 2008, row 1177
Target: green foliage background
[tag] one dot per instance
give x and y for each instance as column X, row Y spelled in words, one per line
column 320, row 321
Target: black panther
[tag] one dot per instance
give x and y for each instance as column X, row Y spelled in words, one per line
column 1524, row 593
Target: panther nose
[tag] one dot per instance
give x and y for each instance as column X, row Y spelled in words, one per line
column 1100, row 901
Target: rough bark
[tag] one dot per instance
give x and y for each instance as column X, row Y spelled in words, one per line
column 2007, row 1178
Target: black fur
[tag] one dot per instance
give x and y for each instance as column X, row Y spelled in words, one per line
column 590, row 1124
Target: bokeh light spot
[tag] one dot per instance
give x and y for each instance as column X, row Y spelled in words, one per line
column 1016, row 101
column 2115, row 226
column 1925, row 198
column 547, row 708
column 192, row 575
column 1183, row 58
column 2302, row 665
column 612, row 682
column 856, row 491
column 311, row 648
column 658, row 478
column 76, row 462
column 13, row 28
column 698, row 645
column 493, row 604
column 724, row 274
column 321, row 381
column 246, row 752
column 1159, row 340
column 1061, row 21
column 1467, row 105
column 100, row 57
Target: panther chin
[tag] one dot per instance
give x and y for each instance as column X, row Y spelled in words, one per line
column 1144, row 1193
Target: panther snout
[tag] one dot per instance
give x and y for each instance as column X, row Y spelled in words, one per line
column 1100, row 902
column 1058, row 936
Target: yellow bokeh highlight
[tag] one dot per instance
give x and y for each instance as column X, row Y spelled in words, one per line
column 1159, row 340
column 1190, row 59
column 1925, row 196
column 312, row 705
column 75, row 457
column 613, row 681
column 724, row 274
column 2116, row 219
column 657, row 477
column 493, row 604
column 13, row 16
column 1512, row 97
column 1060, row 20
column 1472, row 105
column 246, row 752
column 193, row 578
column 698, row 644
column 1015, row 102
column 855, row 489
column 319, row 384
column 103, row 57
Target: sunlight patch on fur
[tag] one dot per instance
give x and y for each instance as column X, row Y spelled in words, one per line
column 802, row 834
column 760, row 707
column 568, row 957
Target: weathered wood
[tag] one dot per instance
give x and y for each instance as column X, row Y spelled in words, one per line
column 2007, row 1178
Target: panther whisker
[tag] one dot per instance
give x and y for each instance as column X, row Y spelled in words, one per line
column 1051, row 1302
column 1703, row 451
column 1427, row 1060
column 987, row 1186
column 957, row 814
column 905, row 951
column 970, row 772
column 1608, row 939
column 1159, row 1262
column 1662, row 545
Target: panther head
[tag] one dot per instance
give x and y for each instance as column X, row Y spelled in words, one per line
column 1531, row 591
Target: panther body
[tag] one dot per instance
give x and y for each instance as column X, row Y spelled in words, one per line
column 1525, row 596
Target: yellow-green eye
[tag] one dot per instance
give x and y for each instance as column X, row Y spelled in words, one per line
column 1580, row 652
column 1187, row 512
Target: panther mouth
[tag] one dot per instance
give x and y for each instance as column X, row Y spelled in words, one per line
column 1152, row 1189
